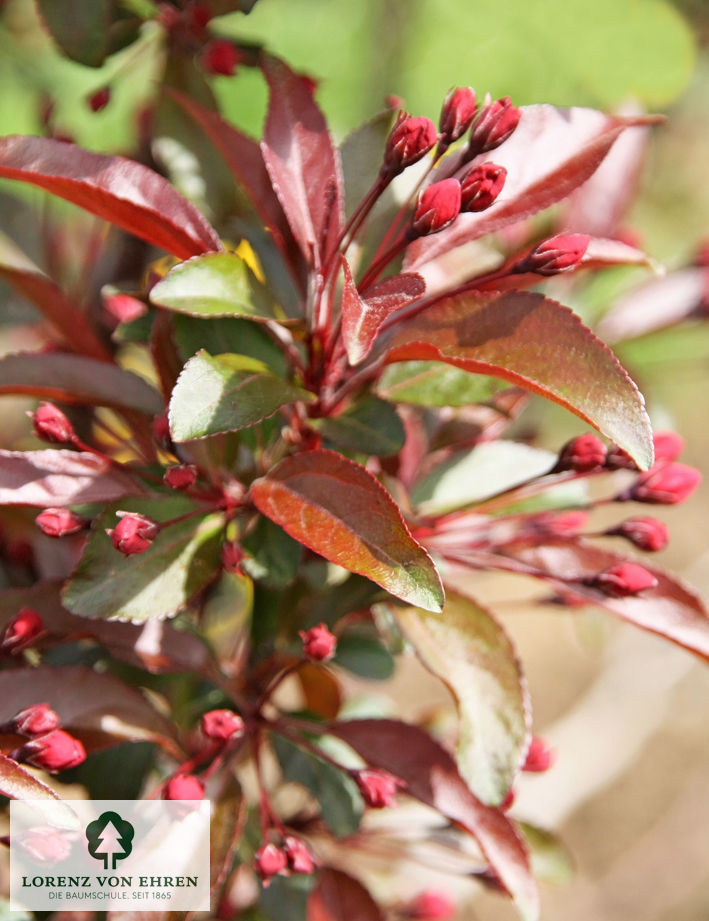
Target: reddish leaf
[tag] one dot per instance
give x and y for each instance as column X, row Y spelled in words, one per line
column 321, row 690
column 339, row 510
column 58, row 478
column 126, row 193
column 17, row 783
column 535, row 343
column 363, row 315
column 432, row 777
column 303, row 162
column 337, row 896
column 551, row 153
column 670, row 609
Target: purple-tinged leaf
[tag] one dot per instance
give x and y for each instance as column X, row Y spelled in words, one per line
column 58, row 478
column 338, row 896
column 75, row 379
column 470, row 652
column 121, row 191
column 16, row 782
column 432, row 777
column 363, row 314
column 303, row 162
column 338, row 509
column 535, row 343
column 551, row 153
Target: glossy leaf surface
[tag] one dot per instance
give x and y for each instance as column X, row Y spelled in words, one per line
column 431, row 383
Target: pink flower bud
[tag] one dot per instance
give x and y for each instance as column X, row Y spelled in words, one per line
column 222, row 725
column 55, row 751
column 34, row 721
column 134, row 533
column 644, row 533
column 21, row 630
column 300, row 860
column 378, row 787
column 100, row 99
column 181, row 476
column 59, row 522
column 481, row 185
column 457, row 114
column 557, row 254
column 540, row 756
column 437, row 207
column 270, row 861
column 50, row 424
column 123, row 307
column 45, row 844
column 623, row 579
column 582, row 454
column 319, row 645
column 409, row 140
column 668, row 446
column 221, row 57
column 431, row 905
column 496, row 123
column 232, row 557
column 666, row 485
column 183, row 786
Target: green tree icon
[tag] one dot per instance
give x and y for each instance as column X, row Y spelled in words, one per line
column 110, row 838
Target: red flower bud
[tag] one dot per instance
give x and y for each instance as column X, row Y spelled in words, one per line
column 300, row 860
column 618, row 459
column 45, row 844
column 540, row 756
column 431, row 905
column 34, row 721
column 181, row 476
column 457, row 114
column 556, row 524
column 666, row 485
column 668, row 446
column 222, row 725
column 496, row 123
column 55, row 751
column 437, row 207
column 124, row 308
column 21, row 630
column 183, row 786
column 134, row 533
column 319, row 645
column 378, row 787
column 409, row 140
column 161, row 430
column 100, row 99
column 581, row 454
column 481, row 185
column 270, row 861
column 220, row 57
column 623, row 579
column 59, row 522
column 232, row 558
column 50, row 424
column 644, row 533
column 198, row 16
column 557, row 254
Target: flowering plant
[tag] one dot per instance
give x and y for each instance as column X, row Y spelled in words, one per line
column 289, row 460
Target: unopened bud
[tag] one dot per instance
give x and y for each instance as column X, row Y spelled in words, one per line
column 319, row 644
column 50, row 424
column 100, row 99
column 378, row 787
column 668, row 485
column 300, row 860
column 557, row 254
column 161, row 430
column 34, row 721
column 124, row 308
column 582, row 454
column 181, row 476
column 437, row 207
column 496, row 123
column 60, row 522
column 431, row 905
column 183, row 786
column 481, row 185
column 644, row 533
column 540, row 756
column 21, row 630
column 232, row 557
column 55, row 751
column 623, row 580
column 222, row 725
column 668, row 446
column 457, row 114
column 270, row 861
column 409, row 140
column 220, row 57
column 134, row 533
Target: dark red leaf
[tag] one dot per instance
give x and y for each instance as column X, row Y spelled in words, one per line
column 58, row 478
column 537, row 344
column 126, row 193
column 363, row 315
column 432, row 777
column 303, row 162
column 337, row 896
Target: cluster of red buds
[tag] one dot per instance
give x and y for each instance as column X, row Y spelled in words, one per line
column 292, row 856
column 49, row 747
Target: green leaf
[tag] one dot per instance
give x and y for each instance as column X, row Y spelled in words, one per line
column 469, row 651
column 225, row 394
column 336, row 794
column 285, row 898
column 339, row 510
column 181, row 561
column 273, row 555
column 364, row 654
column 79, row 27
column 432, row 383
column 369, row 426
column 215, row 285
column 538, row 344
column 219, row 335
column 551, row 861
column 225, row 621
